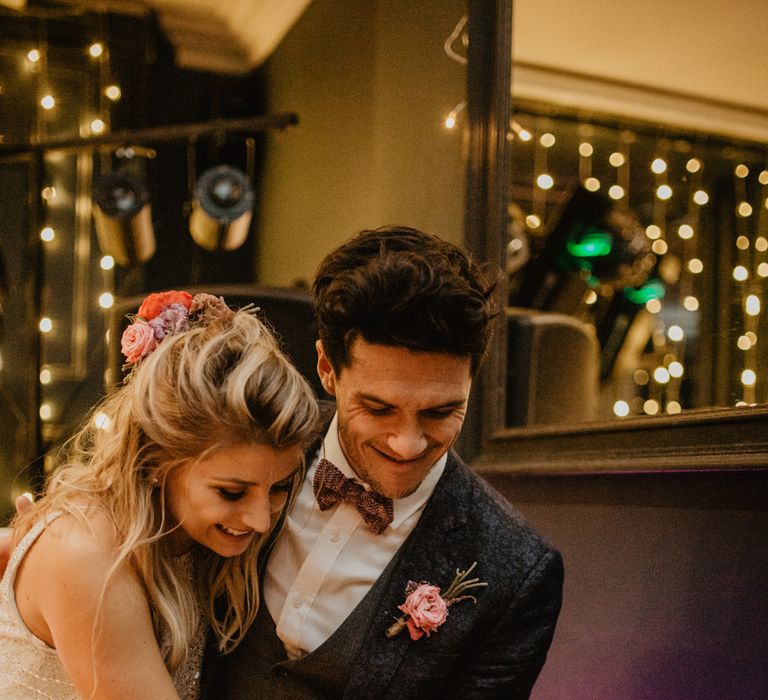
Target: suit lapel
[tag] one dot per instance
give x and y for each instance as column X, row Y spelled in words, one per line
column 431, row 553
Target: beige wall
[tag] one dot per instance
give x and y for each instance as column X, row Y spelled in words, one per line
column 709, row 48
column 371, row 84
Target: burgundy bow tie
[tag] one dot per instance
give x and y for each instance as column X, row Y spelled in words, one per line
column 331, row 486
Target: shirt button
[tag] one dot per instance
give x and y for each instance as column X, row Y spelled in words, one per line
column 297, row 602
column 334, row 536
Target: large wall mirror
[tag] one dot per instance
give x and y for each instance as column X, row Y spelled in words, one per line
column 635, row 240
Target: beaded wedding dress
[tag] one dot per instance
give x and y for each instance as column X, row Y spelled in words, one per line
column 31, row 670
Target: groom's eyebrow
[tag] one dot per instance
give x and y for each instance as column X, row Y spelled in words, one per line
column 453, row 403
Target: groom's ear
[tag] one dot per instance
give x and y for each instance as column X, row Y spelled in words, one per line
column 325, row 370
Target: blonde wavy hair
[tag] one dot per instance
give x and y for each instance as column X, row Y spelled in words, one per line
column 222, row 382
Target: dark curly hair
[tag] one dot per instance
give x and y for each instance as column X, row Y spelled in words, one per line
column 401, row 287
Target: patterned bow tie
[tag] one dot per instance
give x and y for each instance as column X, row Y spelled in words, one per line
column 331, row 486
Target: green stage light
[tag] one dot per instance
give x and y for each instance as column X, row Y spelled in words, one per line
column 653, row 289
column 593, row 243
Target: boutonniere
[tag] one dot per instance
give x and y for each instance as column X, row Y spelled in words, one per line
column 426, row 608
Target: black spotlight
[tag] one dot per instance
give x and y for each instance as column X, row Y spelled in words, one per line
column 221, row 210
column 123, row 219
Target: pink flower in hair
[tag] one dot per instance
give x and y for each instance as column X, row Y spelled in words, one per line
column 138, row 340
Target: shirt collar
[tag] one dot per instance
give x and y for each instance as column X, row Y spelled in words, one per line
column 403, row 508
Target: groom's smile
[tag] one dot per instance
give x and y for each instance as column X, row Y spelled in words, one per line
column 399, row 411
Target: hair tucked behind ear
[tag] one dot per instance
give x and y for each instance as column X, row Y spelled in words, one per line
column 224, row 381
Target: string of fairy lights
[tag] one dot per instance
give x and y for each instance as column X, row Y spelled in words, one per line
column 661, row 385
column 66, row 207
column 656, row 388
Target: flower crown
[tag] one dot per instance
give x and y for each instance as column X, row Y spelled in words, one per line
column 163, row 313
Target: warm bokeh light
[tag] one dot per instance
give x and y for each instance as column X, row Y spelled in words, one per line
column 748, row 377
column 659, row 247
column 653, row 306
column 740, row 273
column 653, row 232
column 762, row 178
column 101, row 421
column 700, row 197
column 97, row 126
column 741, row 171
column 33, row 56
column 661, row 375
column 664, row 192
column 659, row 165
column 547, row 140
column 616, row 192
column 621, row 409
column 592, row 184
column 617, row 159
column 673, row 408
column 675, row 369
column 113, row 92
column 545, row 181
column 533, row 221
column 685, row 231
column 743, row 343
column 46, row 411
column 45, row 325
column 761, row 244
column 742, row 243
column 752, row 305
column 691, row 303
column 47, row 234
column 106, row 300
column 744, row 209
column 762, row 269
column 651, row 407
column 47, row 102
column 590, row 297
column 107, row 262
column 675, row 333
column 695, row 266
column 96, row 49
column 586, row 150
column 46, row 377
column 693, row 165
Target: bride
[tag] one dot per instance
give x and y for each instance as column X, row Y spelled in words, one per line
column 149, row 531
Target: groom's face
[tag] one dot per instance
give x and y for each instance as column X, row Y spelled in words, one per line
column 399, row 411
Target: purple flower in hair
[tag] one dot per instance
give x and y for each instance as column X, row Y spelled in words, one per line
column 171, row 319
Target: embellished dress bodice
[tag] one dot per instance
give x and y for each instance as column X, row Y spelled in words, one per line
column 30, row 669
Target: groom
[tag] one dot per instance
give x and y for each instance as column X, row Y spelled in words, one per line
column 404, row 320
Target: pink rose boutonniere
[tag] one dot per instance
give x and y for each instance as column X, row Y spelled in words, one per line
column 426, row 609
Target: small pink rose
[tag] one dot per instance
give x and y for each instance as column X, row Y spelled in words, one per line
column 138, row 340
column 426, row 609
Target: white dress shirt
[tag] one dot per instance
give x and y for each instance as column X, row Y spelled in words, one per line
column 324, row 562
